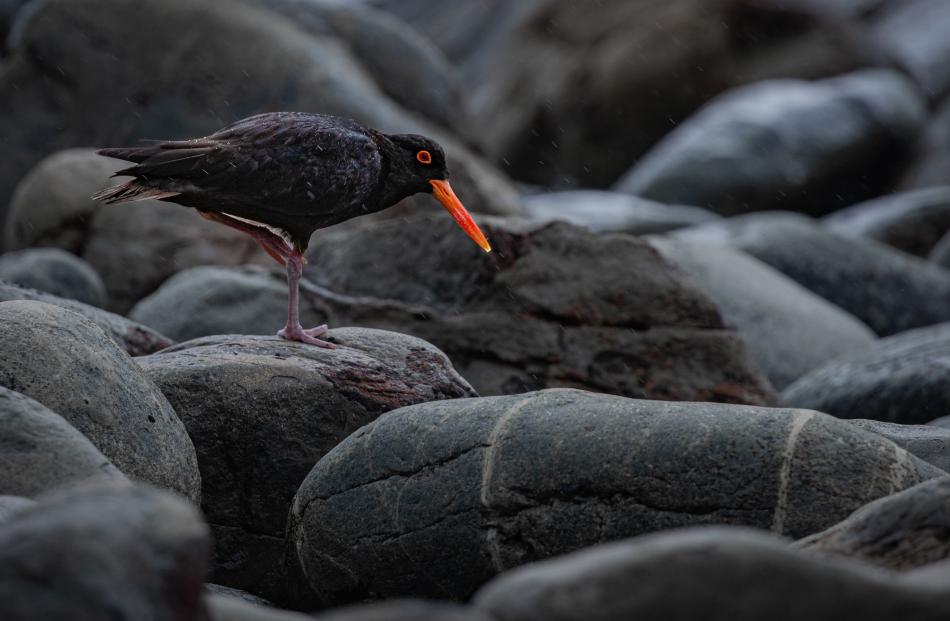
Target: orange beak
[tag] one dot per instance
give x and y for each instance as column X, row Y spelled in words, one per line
column 443, row 192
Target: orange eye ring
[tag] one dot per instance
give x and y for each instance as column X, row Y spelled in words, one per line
column 424, row 157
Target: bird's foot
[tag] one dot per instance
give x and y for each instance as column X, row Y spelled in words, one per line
column 297, row 333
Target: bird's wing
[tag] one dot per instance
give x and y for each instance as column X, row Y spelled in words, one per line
column 294, row 165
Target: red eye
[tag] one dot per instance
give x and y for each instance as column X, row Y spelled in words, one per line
column 424, row 156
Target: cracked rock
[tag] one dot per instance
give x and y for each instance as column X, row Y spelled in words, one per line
column 40, row 451
column 104, row 553
column 715, row 574
column 134, row 338
column 903, row 531
column 262, row 411
column 552, row 306
column 68, row 364
column 900, row 379
column 503, row 481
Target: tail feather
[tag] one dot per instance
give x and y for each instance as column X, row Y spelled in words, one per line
column 130, row 192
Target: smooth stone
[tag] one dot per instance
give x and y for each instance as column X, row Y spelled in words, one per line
column 906, row 530
column 68, row 364
column 54, row 271
column 40, row 451
column 135, row 338
column 11, row 505
column 735, row 575
column 612, row 212
column 262, row 411
column 900, row 379
column 888, row 290
column 929, row 442
column 781, row 143
column 789, row 330
column 504, row 481
column 910, row 221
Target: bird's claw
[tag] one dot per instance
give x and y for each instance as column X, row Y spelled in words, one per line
column 297, row 333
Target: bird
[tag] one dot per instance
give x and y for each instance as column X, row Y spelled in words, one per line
column 280, row 176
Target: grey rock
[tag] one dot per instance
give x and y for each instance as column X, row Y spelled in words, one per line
column 931, row 165
column 943, row 421
column 568, row 96
column 612, row 212
column 910, row 33
column 11, row 505
column 906, row 530
column 40, row 451
column 888, row 290
column 788, row 329
column 734, row 575
column 69, row 365
column 104, row 554
column 940, row 253
column 203, row 301
column 133, row 246
column 404, row 65
column 554, row 305
column 900, row 379
column 910, row 221
column 405, row 610
column 54, row 271
column 782, row 143
column 228, row 592
column 503, row 481
column 261, row 411
column 929, row 442
column 226, row 608
column 134, row 338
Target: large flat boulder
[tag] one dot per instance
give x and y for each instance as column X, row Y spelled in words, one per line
column 262, row 411
column 503, row 481
column 806, row 146
column 900, row 379
column 553, row 305
column 68, row 364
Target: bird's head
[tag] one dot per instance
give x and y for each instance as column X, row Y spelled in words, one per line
column 421, row 166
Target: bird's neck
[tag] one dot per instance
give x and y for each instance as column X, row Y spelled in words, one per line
column 396, row 180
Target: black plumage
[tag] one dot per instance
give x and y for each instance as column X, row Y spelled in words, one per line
column 281, row 176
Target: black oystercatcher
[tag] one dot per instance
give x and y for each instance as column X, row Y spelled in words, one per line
column 280, row 176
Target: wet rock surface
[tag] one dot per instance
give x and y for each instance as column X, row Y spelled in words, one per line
column 509, row 480
column 776, row 144
column 40, row 451
column 903, row 531
column 69, row 365
column 56, row 272
column 115, row 552
column 888, row 290
column 134, row 338
column 262, row 411
column 598, row 584
column 900, row 379
column 789, row 330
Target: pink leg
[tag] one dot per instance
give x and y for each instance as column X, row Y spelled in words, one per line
column 287, row 255
column 293, row 330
